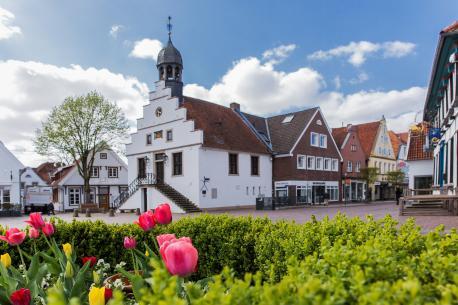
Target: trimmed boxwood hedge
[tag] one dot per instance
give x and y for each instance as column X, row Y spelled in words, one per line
column 338, row 261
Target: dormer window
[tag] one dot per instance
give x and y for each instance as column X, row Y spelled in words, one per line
column 288, row 119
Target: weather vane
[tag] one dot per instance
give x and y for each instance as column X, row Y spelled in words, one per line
column 169, row 26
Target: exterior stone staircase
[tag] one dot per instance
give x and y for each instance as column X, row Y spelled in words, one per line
column 179, row 199
column 425, row 209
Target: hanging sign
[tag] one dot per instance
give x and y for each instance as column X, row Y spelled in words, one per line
column 434, row 136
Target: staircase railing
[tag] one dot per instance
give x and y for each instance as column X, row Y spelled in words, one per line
column 148, row 179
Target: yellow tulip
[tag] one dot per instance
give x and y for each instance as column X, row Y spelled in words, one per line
column 6, row 260
column 68, row 270
column 146, row 253
column 97, row 296
column 96, row 276
column 67, row 249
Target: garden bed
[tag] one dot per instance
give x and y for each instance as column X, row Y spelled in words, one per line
column 244, row 260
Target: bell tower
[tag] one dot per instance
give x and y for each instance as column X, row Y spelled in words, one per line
column 170, row 65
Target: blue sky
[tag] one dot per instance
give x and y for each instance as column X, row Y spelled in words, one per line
column 222, row 43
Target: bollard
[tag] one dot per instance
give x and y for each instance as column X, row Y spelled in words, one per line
column 138, row 211
column 111, row 213
column 88, row 213
column 75, row 213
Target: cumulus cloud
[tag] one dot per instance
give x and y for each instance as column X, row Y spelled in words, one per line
column 262, row 89
column 357, row 53
column 6, row 29
column 31, row 89
column 278, row 54
column 361, row 78
column 115, row 29
column 146, row 48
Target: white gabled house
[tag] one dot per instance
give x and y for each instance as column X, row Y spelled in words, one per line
column 108, row 181
column 10, row 172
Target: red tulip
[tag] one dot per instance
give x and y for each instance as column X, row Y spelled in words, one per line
column 34, row 233
column 91, row 259
column 180, row 256
column 13, row 237
column 130, row 242
column 164, row 237
column 163, row 214
column 108, row 294
column 48, row 229
column 146, row 221
column 21, row 297
column 35, row 220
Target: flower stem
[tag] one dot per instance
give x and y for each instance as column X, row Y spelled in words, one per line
column 22, row 259
column 134, row 262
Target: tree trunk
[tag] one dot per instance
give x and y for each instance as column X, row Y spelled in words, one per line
column 87, row 191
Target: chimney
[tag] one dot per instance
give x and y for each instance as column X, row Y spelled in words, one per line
column 235, row 106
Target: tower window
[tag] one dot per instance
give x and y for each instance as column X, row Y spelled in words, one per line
column 161, row 73
column 177, row 73
column 169, row 72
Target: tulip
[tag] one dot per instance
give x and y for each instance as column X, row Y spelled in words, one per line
column 48, row 229
column 164, row 237
column 180, row 256
column 91, row 259
column 69, row 270
column 36, row 221
column 96, row 277
column 163, row 214
column 129, row 242
column 13, row 236
column 21, row 297
column 97, row 296
column 67, row 249
column 34, row 233
column 147, row 253
column 146, row 221
column 5, row 259
column 108, row 294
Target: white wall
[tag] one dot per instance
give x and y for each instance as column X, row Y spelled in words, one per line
column 9, row 174
column 419, row 168
column 232, row 190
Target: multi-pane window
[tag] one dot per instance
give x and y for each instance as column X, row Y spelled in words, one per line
column 149, row 139
column 319, row 163
column 92, row 195
column 301, row 162
column 335, row 165
column 323, row 141
column 358, row 166
column 349, row 166
column 74, row 196
column 177, row 163
column 169, row 135
column 327, row 164
column 103, row 156
column 333, row 192
column 318, row 140
column 94, row 172
column 6, row 196
column 254, row 165
column 233, row 164
column 112, row 172
column 353, row 147
column 310, row 162
column 158, row 134
column 314, row 137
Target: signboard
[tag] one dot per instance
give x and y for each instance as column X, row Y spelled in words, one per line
column 434, row 136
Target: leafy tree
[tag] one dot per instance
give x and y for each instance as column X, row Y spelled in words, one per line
column 396, row 177
column 78, row 129
column 369, row 174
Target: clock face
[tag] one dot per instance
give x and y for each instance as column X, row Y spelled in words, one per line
column 158, row 111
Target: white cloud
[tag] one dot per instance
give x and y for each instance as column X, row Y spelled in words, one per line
column 146, row 48
column 31, row 89
column 361, row 78
column 115, row 29
column 357, row 52
column 7, row 30
column 261, row 89
column 278, row 54
column 337, row 82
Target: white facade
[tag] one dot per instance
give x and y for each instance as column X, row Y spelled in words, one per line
column 419, row 169
column 109, row 180
column 33, row 189
column 10, row 168
column 204, row 179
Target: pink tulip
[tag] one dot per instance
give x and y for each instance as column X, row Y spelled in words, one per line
column 35, row 220
column 163, row 214
column 34, row 233
column 180, row 256
column 164, row 237
column 146, row 221
column 13, row 237
column 129, row 242
column 48, row 229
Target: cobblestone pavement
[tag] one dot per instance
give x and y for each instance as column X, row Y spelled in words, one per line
column 377, row 210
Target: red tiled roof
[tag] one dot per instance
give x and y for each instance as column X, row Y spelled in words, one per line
column 416, row 150
column 45, row 171
column 339, row 135
column 403, row 136
column 367, row 134
column 223, row 128
column 452, row 27
column 60, row 174
column 395, row 142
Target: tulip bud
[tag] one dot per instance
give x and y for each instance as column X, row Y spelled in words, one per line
column 68, row 270
column 5, row 259
column 129, row 242
column 67, row 249
column 96, row 277
column 146, row 253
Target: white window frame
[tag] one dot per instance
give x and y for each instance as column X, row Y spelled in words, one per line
column 110, row 173
column 97, row 170
column 312, row 135
column 304, row 162
column 325, row 141
column 358, row 166
column 335, row 165
column 312, row 162
column 353, row 147
column 328, row 162
column 349, row 166
column 76, row 193
column 319, row 163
